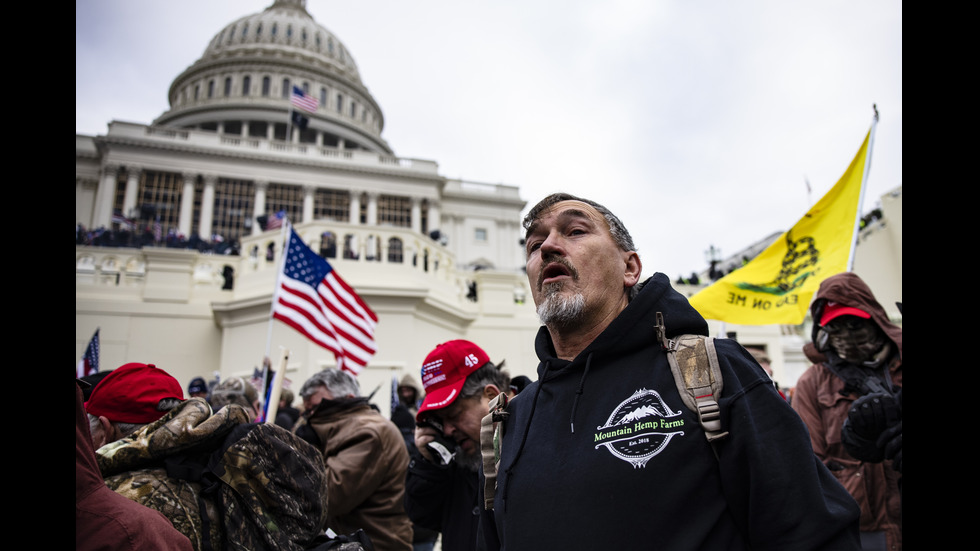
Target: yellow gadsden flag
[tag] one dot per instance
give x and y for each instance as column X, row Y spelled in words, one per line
column 776, row 286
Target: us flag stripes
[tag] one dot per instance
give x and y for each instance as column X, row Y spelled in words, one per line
column 313, row 299
column 89, row 363
column 303, row 100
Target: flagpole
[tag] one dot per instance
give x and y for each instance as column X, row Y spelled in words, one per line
column 864, row 181
column 272, row 303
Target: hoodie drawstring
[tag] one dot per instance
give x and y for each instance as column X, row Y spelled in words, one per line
column 578, row 393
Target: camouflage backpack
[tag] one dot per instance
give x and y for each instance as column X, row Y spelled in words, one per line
column 222, row 481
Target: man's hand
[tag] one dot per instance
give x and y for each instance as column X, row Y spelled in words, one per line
column 423, row 436
column 434, row 446
column 872, row 414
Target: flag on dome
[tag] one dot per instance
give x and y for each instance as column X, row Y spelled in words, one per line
column 776, row 287
column 312, row 298
column 303, row 100
column 89, row 363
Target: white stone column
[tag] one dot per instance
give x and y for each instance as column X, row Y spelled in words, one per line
column 416, row 214
column 186, row 215
column 104, row 197
column 355, row 207
column 260, row 187
column 435, row 222
column 207, row 207
column 372, row 210
column 308, row 193
column 132, row 189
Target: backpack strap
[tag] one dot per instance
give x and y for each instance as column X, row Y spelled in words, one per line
column 490, row 446
column 694, row 364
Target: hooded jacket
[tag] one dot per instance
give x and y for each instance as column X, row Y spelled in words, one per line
column 366, row 461
column 822, row 402
column 105, row 519
column 601, row 452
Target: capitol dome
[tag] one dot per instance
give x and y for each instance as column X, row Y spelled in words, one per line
column 243, row 82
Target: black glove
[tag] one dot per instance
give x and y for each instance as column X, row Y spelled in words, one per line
column 890, row 442
column 872, row 414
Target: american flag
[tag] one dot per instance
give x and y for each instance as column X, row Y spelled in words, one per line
column 303, row 100
column 89, row 363
column 275, row 221
column 122, row 220
column 312, row 299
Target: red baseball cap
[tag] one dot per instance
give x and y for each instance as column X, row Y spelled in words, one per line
column 131, row 392
column 835, row 310
column 445, row 370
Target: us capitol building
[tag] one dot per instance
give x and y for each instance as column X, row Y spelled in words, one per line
column 435, row 258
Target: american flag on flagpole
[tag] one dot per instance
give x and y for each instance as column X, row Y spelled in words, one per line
column 275, row 221
column 303, row 100
column 89, row 363
column 312, row 298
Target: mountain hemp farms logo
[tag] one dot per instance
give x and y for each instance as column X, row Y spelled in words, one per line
column 639, row 428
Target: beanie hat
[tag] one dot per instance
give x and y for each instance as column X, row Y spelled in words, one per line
column 198, row 384
column 131, row 393
column 235, row 390
column 445, row 370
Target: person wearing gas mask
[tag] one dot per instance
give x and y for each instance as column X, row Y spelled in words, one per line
column 851, row 402
column 442, row 486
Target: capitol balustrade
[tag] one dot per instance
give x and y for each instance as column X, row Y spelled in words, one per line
column 250, row 144
column 380, row 257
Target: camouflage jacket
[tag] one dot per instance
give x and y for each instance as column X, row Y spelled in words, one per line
column 269, row 492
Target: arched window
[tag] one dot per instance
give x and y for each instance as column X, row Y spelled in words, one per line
column 210, row 89
column 328, row 245
column 266, row 85
column 227, row 86
column 285, row 88
column 395, row 251
column 246, row 85
column 350, row 247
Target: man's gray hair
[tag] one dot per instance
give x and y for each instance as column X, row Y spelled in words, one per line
column 617, row 230
column 126, row 429
column 339, row 383
column 487, row 374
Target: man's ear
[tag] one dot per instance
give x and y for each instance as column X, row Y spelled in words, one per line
column 106, row 433
column 491, row 391
column 634, row 267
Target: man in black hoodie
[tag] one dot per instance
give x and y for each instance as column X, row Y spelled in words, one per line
column 600, row 451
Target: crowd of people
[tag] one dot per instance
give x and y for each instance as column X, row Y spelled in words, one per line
column 128, row 235
column 600, row 451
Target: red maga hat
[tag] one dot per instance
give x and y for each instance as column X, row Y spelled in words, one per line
column 834, row 310
column 131, row 392
column 445, row 370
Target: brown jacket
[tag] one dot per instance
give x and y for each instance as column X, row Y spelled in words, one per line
column 366, row 462
column 818, row 400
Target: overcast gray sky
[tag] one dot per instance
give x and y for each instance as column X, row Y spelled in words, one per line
column 697, row 122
